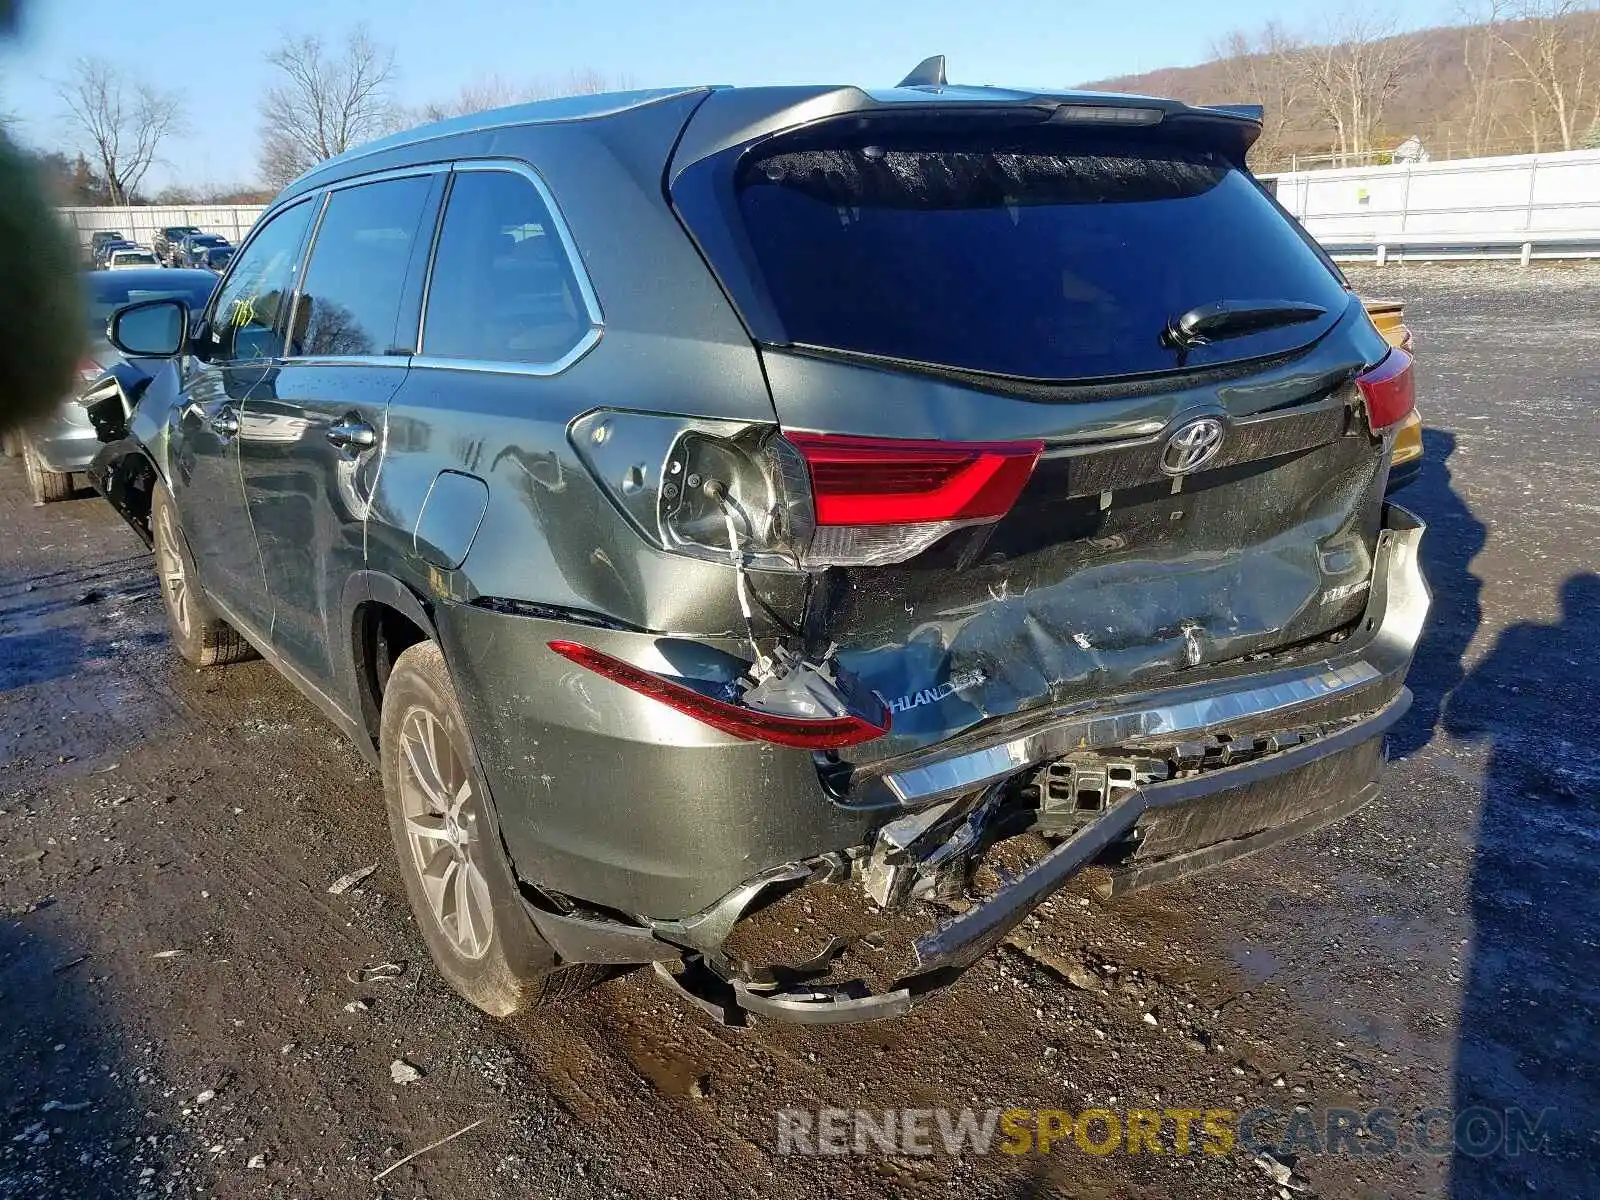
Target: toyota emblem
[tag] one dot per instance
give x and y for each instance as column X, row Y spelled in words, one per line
column 1192, row 445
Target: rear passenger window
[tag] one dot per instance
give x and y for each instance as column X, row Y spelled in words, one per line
column 350, row 301
column 503, row 289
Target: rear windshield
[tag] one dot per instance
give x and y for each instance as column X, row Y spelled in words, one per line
column 1049, row 254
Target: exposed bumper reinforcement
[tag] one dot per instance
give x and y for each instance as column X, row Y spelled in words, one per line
column 720, row 989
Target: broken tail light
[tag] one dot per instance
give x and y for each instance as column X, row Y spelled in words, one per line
column 796, row 501
column 1389, row 390
column 804, row 733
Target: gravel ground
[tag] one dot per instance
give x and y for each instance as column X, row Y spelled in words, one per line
column 180, row 1005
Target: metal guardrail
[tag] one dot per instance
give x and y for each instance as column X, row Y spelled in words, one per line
column 1438, row 247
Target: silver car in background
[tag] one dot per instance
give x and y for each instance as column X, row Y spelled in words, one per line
column 61, row 445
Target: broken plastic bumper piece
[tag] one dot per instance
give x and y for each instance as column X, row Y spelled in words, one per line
column 1318, row 770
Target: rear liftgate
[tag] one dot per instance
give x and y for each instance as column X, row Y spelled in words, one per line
column 958, row 589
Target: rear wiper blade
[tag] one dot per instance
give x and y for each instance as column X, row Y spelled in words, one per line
column 1236, row 318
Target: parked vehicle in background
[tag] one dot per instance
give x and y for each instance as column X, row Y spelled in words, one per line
column 63, row 444
column 99, row 239
column 103, row 254
column 216, row 258
column 192, row 249
column 125, row 260
column 718, row 491
column 165, row 243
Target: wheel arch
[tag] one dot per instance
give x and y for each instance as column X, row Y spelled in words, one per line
column 383, row 617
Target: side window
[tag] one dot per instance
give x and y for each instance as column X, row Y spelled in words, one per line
column 246, row 325
column 350, row 300
column 503, row 289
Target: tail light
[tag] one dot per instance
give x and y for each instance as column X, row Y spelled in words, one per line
column 884, row 500
column 751, row 725
column 1389, row 390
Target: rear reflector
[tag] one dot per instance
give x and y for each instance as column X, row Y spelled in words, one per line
column 821, row 734
column 1389, row 390
column 888, row 481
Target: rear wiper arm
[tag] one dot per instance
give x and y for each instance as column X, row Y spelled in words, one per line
column 1235, row 318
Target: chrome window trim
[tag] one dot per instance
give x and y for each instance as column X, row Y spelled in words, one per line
column 347, row 360
column 384, row 176
column 502, row 367
column 569, row 246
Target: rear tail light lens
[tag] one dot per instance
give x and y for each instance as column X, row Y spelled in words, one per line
column 886, row 481
column 1389, row 390
column 885, row 500
column 826, row 733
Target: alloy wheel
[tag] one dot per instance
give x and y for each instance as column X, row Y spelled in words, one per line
column 174, row 580
column 442, row 826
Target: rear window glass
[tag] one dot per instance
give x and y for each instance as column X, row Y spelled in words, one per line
column 1049, row 255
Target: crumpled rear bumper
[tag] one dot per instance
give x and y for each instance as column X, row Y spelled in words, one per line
column 1193, row 822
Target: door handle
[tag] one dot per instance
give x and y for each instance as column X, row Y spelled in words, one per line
column 225, row 423
column 353, row 434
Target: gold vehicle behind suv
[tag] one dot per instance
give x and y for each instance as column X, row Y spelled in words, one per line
column 1390, row 318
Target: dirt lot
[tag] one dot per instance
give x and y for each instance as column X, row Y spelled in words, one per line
column 177, row 1009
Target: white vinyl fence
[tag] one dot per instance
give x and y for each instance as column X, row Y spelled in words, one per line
column 1522, row 207
column 139, row 222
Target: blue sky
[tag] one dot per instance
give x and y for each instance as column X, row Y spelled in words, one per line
column 212, row 52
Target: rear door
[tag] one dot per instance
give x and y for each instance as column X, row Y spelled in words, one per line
column 247, row 319
column 1107, row 290
column 310, row 444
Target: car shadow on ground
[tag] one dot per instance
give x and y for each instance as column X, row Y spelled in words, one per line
column 1527, row 1055
column 1453, row 539
column 69, row 1124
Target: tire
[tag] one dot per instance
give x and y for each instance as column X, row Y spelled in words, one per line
column 202, row 637
column 47, row 486
column 451, row 858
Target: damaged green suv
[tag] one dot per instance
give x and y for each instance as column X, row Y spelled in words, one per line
column 689, row 497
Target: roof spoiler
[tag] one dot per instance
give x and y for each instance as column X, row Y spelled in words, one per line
column 1250, row 112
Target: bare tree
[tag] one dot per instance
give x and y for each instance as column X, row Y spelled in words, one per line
column 325, row 102
column 1487, row 88
column 1352, row 75
column 123, row 124
column 1264, row 68
column 1556, row 46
